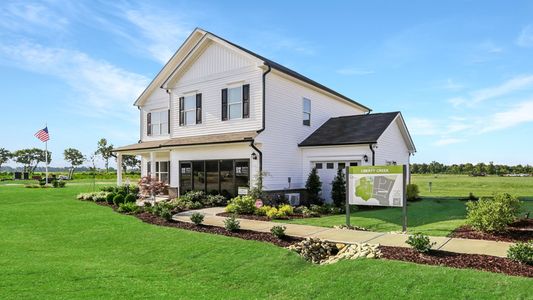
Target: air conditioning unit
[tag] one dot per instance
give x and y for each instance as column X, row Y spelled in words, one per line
column 294, row 198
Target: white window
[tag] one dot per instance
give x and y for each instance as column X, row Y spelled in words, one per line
column 189, row 110
column 235, row 103
column 159, row 121
column 307, row 112
column 161, row 171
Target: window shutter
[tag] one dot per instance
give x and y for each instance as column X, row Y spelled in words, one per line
column 246, row 101
column 149, row 124
column 224, row 104
column 168, row 170
column 168, row 120
column 148, row 169
column 198, row 108
column 182, row 114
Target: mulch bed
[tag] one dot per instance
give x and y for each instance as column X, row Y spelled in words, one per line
column 459, row 260
column 434, row 257
column 520, row 231
column 242, row 234
column 261, row 218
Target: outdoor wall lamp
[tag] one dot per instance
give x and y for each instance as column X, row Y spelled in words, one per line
column 365, row 158
column 254, row 156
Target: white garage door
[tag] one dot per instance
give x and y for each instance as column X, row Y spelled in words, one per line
column 327, row 170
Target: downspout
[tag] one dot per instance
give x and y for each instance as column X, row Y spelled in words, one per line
column 373, row 154
column 263, row 121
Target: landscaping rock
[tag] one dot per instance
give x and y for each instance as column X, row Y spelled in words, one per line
column 322, row 252
column 351, row 227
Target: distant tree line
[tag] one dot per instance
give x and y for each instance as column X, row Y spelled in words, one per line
column 470, row 169
column 32, row 157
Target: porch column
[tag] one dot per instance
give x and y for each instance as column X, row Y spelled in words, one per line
column 119, row 169
column 152, row 164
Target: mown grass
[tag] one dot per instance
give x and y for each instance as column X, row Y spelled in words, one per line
column 439, row 212
column 54, row 246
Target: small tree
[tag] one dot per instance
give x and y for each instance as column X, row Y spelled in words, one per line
column 5, row 155
column 338, row 189
column 105, row 151
column 75, row 158
column 313, row 187
column 130, row 161
column 257, row 191
column 30, row 158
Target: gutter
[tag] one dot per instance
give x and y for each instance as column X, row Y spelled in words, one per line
column 373, row 154
column 263, row 125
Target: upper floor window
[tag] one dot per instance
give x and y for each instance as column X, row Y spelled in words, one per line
column 307, row 112
column 190, row 109
column 157, row 122
column 236, row 102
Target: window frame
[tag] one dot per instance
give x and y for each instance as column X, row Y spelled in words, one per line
column 306, row 122
column 239, row 103
column 158, row 171
column 163, row 126
column 193, row 109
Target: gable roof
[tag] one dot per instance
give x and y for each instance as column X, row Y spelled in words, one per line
column 356, row 129
column 197, row 37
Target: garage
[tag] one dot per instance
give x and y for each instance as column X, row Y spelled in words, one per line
column 327, row 170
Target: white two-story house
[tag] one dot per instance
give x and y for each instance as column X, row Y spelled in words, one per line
column 218, row 114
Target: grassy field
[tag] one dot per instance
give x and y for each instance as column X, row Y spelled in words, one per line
column 440, row 211
column 54, row 246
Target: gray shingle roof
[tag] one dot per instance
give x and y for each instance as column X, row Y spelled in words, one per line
column 349, row 130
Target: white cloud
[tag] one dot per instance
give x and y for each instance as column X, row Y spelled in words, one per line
column 354, row 71
column 448, row 141
column 504, row 89
column 451, row 85
column 420, row 126
column 525, row 39
column 518, row 114
column 162, row 33
column 101, row 88
column 30, row 17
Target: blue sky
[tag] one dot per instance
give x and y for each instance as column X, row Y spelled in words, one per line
column 461, row 72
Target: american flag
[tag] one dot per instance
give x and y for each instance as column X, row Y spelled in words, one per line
column 43, row 134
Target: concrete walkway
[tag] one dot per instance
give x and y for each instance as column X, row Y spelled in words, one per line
column 353, row 236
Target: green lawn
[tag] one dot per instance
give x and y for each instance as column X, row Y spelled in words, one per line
column 440, row 211
column 54, row 246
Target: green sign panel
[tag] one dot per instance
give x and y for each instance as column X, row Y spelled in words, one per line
column 376, row 185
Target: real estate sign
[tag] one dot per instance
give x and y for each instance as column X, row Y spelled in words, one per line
column 376, row 185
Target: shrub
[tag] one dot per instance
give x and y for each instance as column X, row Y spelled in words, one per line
column 118, row 199
column 272, row 213
column 165, row 213
column 215, row 200
column 149, row 186
column 61, row 184
column 109, row 198
column 244, row 205
column 320, row 209
column 412, row 192
column 197, row 218
column 278, row 231
column 338, row 189
column 493, row 214
column 420, row 242
column 128, row 207
column 130, row 198
column 99, row 196
column 262, row 211
column 313, row 187
column 306, row 212
column 286, row 210
column 521, row 252
column 231, row 224
column 55, row 183
column 275, row 199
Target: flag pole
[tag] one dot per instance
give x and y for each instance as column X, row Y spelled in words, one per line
column 46, row 155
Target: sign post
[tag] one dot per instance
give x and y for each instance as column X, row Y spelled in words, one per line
column 347, row 197
column 377, row 186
